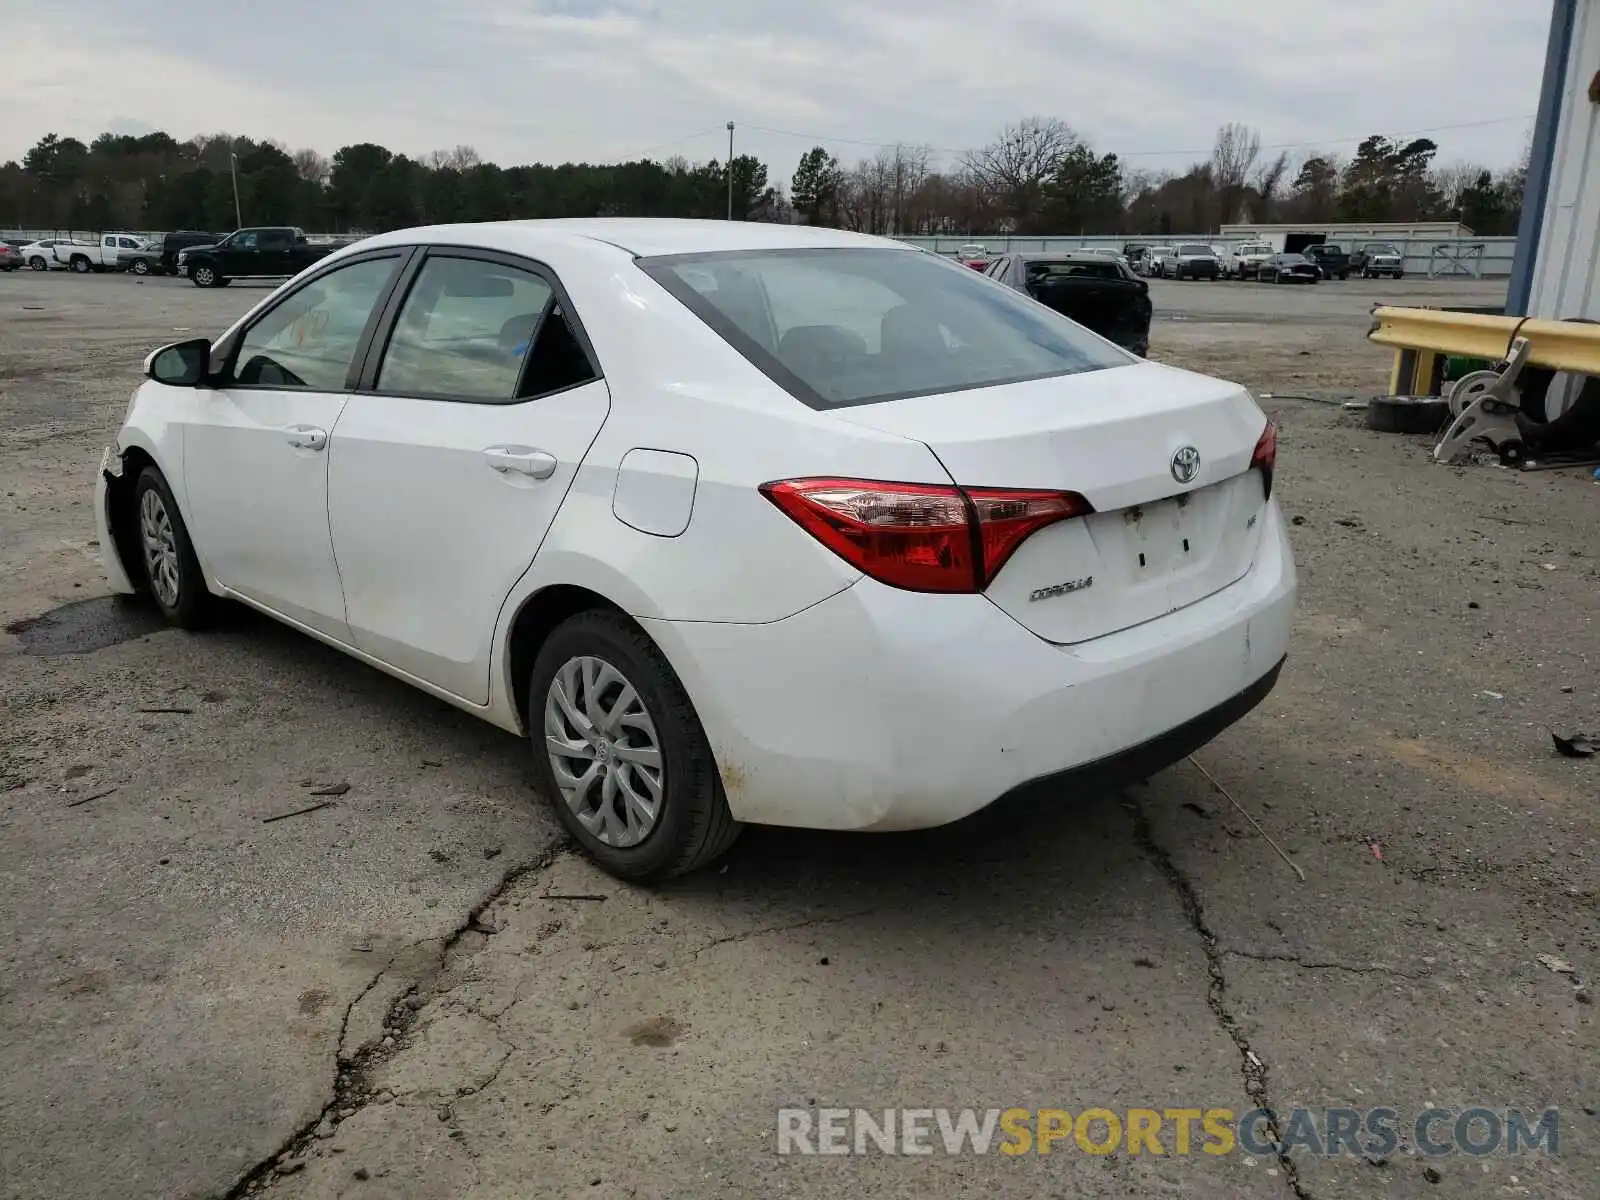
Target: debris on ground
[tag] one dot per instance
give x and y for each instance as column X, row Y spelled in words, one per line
column 1559, row 965
column 331, row 789
column 1486, row 695
column 1371, row 843
column 88, row 799
column 299, row 812
column 1578, row 745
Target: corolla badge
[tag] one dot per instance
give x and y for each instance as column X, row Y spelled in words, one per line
column 1185, row 464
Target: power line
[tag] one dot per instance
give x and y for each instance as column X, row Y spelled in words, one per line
column 1326, row 141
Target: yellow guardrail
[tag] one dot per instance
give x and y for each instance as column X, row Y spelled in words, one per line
column 1421, row 336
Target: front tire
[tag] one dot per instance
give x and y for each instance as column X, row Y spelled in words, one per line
column 139, row 267
column 620, row 753
column 204, row 275
column 37, row 263
column 171, row 569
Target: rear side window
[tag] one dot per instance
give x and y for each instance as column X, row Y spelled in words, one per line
column 839, row 327
column 477, row 330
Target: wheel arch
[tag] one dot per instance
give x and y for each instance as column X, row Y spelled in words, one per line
column 535, row 620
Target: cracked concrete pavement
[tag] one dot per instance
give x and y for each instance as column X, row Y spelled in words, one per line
column 416, row 993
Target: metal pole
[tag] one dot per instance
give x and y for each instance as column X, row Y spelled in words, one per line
column 233, row 169
column 730, row 170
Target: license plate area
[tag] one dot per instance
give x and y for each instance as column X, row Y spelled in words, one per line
column 1159, row 539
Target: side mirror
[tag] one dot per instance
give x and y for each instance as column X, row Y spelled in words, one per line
column 182, row 364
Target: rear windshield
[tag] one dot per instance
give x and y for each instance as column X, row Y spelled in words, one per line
column 838, row 327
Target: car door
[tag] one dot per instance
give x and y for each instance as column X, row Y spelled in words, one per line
column 450, row 461
column 255, row 447
column 273, row 252
column 238, row 253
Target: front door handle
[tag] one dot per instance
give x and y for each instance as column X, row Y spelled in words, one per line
column 307, row 437
column 522, row 460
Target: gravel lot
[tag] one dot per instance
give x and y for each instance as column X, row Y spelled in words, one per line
column 181, row 982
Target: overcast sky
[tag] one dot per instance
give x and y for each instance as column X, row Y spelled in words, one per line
column 598, row 80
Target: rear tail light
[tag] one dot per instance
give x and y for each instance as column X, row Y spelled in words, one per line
column 1265, row 455
column 918, row 536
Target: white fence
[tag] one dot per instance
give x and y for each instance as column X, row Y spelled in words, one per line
column 1434, row 258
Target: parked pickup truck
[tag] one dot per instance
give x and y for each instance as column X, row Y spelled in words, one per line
column 1247, row 259
column 1330, row 259
column 251, row 254
column 1378, row 258
column 113, row 252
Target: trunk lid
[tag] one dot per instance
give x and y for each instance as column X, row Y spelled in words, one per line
column 1153, row 544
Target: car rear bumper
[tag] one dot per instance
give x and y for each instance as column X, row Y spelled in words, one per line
column 882, row 709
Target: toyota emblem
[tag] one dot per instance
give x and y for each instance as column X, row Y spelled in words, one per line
column 1185, row 464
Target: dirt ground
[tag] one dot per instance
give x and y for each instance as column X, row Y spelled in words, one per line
column 418, row 992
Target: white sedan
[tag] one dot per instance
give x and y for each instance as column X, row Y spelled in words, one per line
column 736, row 522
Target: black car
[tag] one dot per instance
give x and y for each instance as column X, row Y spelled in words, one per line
column 1094, row 290
column 262, row 252
column 1335, row 263
column 1289, row 268
column 182, row 239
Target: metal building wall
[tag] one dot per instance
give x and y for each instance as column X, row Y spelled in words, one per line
column 1568, row 253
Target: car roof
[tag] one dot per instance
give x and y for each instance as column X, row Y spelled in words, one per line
column 644, row 237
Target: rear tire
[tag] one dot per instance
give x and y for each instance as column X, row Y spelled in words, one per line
column 171, row 571
column 81, row 265
column 608, row 712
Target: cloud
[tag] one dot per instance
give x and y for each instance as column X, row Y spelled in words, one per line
column 555, row 80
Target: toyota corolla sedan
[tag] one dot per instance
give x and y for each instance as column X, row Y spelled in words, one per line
column 734, row 522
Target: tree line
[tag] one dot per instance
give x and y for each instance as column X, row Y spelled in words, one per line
column 1037, row 176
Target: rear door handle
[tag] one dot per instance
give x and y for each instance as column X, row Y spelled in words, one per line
column 522, row 460
column 307, row 437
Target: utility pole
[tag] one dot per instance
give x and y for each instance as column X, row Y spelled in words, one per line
column 233, row 169
column 730, row 170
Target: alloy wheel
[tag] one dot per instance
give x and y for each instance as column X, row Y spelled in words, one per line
column 604, row 751
column 160, row 547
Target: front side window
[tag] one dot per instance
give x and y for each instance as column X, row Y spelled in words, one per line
column 310, row 339
column 467, row 328
column 846, row 326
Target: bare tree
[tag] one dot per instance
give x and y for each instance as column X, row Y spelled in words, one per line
column 1268, row 182
column 1013, row 168
column 1452, row 179
column 311, row 166
column 905, row 172
column 1234, row 153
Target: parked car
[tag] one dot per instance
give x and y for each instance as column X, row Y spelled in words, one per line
column 10, row 259
column 1288, row 268
column 619, row 486
column 1160, row 260
column 261, row 252
column 1247, row 258
column 1331, row 259
column 1192, row 260
column 113, row 252
column 182, row 239
column 974, row 256
column 1096, row 290
column 42, row 255
column 1378, row 258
